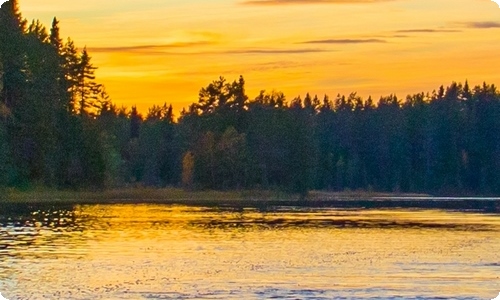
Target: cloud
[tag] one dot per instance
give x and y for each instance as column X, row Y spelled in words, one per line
column 146, row 48
column 275, row 51
column 255, row 67
column 482, row 25
column 425, row 30
column 164, row 49
column 344, row 41
column 291, row 2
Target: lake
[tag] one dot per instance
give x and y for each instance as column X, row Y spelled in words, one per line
column 154, row 251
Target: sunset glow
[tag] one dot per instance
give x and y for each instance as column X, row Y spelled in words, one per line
column 150, row 52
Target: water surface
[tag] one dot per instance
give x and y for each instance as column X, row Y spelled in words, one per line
column 151, row 251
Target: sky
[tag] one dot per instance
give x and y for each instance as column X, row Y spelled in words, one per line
column 155, row 51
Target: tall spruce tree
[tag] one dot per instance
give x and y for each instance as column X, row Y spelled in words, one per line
column 12, row 50
column 87, row 88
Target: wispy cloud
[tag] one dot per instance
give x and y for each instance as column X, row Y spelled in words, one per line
column 147, row 48
column 167, row 50
column 256, row 67
column 344, row 41
column 482, row 25
column 275, row 51
column 426, row 30
column 290, row 2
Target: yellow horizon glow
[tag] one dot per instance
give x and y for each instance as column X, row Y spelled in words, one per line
column 154, row 52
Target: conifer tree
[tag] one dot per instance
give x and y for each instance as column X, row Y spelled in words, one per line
column 71, row 68
column 87, row 87
column 12, row 49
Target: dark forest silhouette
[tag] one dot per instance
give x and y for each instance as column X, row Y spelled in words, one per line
column 58, row 128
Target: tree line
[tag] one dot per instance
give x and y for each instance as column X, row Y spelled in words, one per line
column 59, row 128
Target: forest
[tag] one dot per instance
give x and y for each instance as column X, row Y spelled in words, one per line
column 59, row 129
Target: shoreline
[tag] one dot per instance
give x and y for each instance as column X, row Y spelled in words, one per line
column 248, row 198
column 170, row 194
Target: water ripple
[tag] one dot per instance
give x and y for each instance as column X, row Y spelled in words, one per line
column 178, row 252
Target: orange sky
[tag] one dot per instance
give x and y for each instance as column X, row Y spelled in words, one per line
column 150, row 51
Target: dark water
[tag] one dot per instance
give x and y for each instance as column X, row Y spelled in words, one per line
column 178, row 252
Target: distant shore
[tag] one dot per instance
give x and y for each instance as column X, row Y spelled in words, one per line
column 248, row 198
column 174, row 195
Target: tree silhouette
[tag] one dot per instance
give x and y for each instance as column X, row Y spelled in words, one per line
column 59, row 128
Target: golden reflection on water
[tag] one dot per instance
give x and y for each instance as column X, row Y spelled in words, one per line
column 163, row 251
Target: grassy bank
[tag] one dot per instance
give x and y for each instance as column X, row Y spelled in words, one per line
column 177, row 195
column 132, row 195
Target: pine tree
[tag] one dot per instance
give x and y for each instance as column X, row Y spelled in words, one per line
column 12, row 49
column 55, row 37
column 87, row 87
column 71, row 69
column 135, row 123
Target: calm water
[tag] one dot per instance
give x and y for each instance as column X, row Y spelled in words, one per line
column 178, row 252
